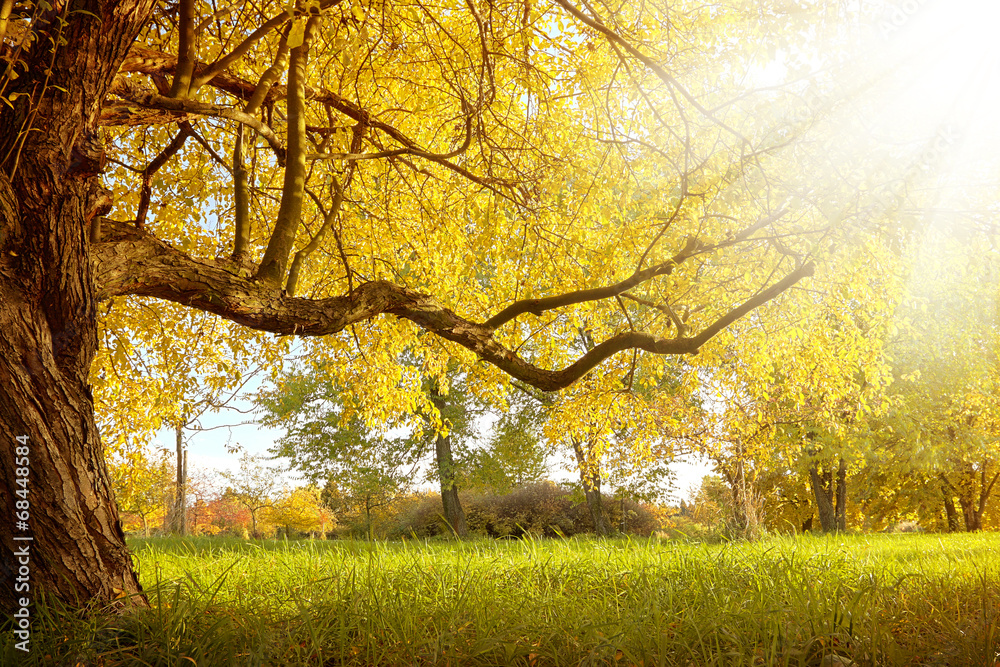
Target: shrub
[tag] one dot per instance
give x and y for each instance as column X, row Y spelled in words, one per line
column 420, row 516
column 540, row 509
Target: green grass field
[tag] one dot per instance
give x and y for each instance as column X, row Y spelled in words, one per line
column 871, row 599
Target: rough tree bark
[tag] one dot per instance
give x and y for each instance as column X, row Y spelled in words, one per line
column 50, row 192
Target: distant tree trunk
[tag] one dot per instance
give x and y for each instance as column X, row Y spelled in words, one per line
column 974, row 504
column 743, row 516
column 973, row 491
column 179, row 523
column 840, row 510
column 453, row 512
column 972, row 515
column 949, row 509
column 821, row 485
column 807, row 525
column 590, row 478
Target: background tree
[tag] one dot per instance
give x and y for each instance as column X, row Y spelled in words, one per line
column 514, row 454
column 794, row 397
column 198, row 360
column 300, row 510
column 143, row 484
column 945, row 432
column 362, row 468
column 254, row 486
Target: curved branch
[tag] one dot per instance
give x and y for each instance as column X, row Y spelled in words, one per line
column 410, row 150
column 539, row 306
column 691, row 248
column 151, row 62
column 130, row 261
column 147, row 174
column 310, row 248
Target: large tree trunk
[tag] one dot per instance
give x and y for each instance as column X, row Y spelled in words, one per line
column 590, row 479
column 49, row 192
column 73, row 533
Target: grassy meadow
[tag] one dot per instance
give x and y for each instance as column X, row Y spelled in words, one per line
column 868, row 599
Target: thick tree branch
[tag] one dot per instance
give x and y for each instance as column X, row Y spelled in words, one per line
column 186, row 51
column 131, row 261
column 158, row 63
column 275, row 260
